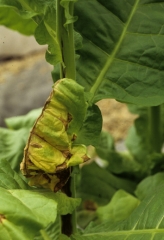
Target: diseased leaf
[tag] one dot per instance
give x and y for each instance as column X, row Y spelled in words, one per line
column 50, row 149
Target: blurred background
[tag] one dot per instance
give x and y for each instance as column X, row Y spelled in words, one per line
column 25, row 83
column 25, row 76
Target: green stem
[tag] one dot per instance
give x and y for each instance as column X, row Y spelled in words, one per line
column 155, row 128
column 65, row 36
column 66, row 40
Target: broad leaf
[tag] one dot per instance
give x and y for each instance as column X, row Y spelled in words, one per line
column 122, row 54
column 12, row 144
column 24, row 121
column 24, row 213
column 15, row 22
column 117, row 162
column 52, row 232
column 146, row 222
column 149, row 184
column 99, row 185
column 119, row 208
column 66, row 204
column 9, row 179
column 90, row 131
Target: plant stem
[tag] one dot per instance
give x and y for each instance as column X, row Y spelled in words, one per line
column 66, row 40
column 65, row 36
column 155, row 128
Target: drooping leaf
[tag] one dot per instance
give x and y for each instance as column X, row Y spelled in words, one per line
column 122, row 54
column 9, row 179
column 50, row 150
column 146, row 222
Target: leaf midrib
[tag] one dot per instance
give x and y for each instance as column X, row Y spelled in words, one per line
column 127, row 232
column 109, row 61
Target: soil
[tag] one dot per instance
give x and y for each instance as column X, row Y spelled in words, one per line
column 25, row 83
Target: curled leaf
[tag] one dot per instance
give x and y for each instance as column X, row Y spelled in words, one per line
column 50, row 150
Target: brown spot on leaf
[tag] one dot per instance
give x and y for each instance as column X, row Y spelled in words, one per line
column 85, row 158
column 2, row 217
column 90, row 205
column 35, row 145
column 63, row 176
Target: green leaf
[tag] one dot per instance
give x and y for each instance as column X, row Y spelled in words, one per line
column 24, row 121
column 15, row 22
column 149, row 184
column 51, row 232
column 99, row 184
column 24, row 213
column 66, row 205
column 90, row 131
column 12, row 144
column 117, row 162
column 106, row 144
column 119, row 208
column 146, row 222
column 137, row 141
column 9, row 179
column 122, row 54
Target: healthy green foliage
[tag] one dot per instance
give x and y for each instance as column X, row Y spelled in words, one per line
column 146, row 222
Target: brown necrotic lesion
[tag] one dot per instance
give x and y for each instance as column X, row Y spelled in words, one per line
column 2, row 217
column 49, row 152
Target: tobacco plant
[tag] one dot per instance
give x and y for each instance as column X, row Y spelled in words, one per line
column 99, row 49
